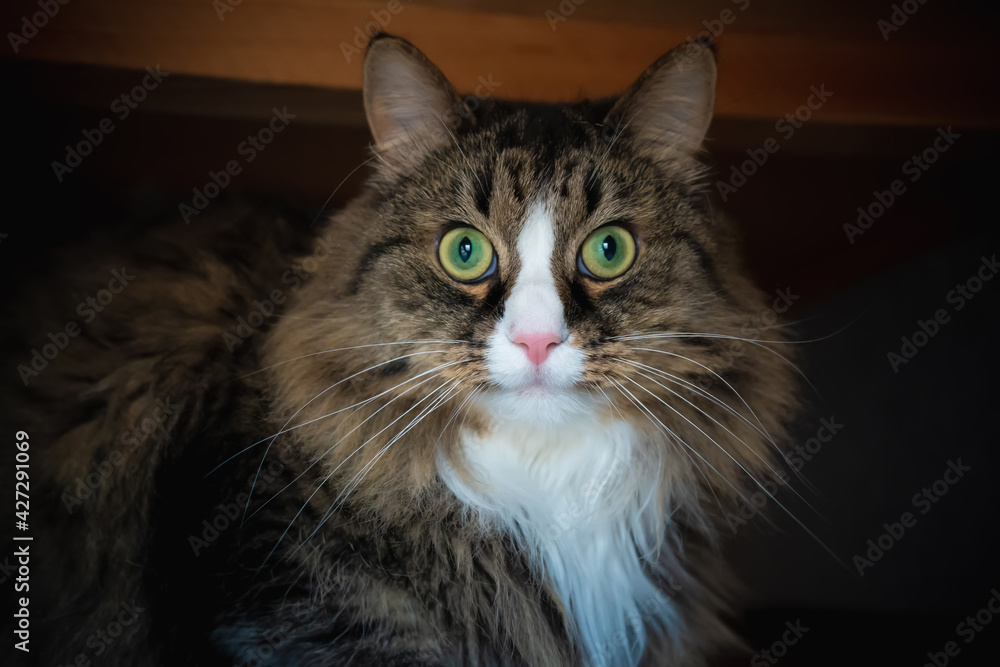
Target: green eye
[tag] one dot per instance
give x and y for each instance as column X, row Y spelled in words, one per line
column 466, row 254
column 607, row 253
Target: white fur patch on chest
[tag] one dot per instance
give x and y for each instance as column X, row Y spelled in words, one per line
column 583, row 503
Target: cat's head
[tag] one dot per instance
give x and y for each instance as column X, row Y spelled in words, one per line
column 537, row 234
column 520, row 251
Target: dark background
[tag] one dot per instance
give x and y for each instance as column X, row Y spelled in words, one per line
column 900, row 428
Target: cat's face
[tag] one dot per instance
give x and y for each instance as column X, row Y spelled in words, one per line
column 536, row 236
column 533, row 265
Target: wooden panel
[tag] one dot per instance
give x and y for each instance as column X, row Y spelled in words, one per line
column 768, row 64
column 93, row 87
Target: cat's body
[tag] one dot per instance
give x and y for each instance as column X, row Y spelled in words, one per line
column 480, row 471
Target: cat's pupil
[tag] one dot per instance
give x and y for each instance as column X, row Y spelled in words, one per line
column 609, row 247
column 465, row 249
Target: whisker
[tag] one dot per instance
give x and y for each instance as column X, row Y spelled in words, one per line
column 753, row 341
column 670, row 435
column 379, row 395
column 344, row 349
column 698, row 428
column 461, row 427
column 790, row 323
column 724, row 381
column 617, row 135
column 359, row 404
column 482, row 186
column 740, row 440
column 610, row 402
column 701, row 472
column 336, row 189
column 465, row 402
column 754, row 479
column 455, row 171
column 332, row 472
column 689, row 334
column 334, row 445
column 440, row 400
column 687, row 384
column 346, row 435
column 783, row 358
column 355, row 481
column 698, row 390
column 268, row 448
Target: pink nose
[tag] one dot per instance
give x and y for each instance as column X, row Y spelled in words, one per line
column 538, row 346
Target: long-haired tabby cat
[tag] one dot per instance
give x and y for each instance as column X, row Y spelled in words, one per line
column 496, row 423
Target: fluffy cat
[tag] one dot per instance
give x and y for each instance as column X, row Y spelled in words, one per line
column 496, row 421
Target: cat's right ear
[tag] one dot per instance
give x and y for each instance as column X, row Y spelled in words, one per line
column 411, row 107
column 669, row 108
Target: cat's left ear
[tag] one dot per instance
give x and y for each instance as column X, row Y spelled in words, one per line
column 669, row 108
column 411, row 107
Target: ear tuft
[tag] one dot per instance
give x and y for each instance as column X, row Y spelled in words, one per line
column 669, row 108
column 410, row 105
column 374, row 38
column 705, row 39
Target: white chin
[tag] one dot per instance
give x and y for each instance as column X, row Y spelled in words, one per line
column 538, row 404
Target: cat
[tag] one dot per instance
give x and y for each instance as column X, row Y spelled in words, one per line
column 497, row 420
